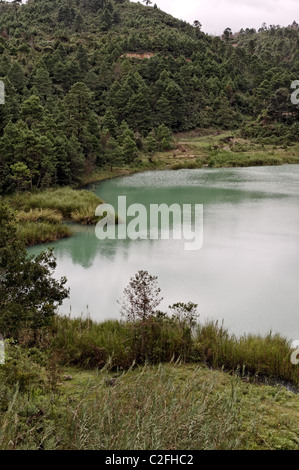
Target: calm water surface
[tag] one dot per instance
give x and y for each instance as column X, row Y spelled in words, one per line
column 247, row 272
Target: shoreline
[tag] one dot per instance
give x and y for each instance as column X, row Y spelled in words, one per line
column 191, row 150
column 86, row 186
column 154, row 169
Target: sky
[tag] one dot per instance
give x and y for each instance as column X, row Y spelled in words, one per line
column 216, row 15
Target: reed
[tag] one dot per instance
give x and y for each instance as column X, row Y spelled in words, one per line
column 63, row 200
column 86, row 343
column 41, row 232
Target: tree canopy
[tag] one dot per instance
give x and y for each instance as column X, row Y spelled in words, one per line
column 77, row 71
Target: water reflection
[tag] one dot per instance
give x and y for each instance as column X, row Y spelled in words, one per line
column 247, row 272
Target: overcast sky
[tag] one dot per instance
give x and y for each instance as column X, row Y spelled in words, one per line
column 216, row 15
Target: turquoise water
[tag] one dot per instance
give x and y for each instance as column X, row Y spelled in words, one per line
column 247, row 272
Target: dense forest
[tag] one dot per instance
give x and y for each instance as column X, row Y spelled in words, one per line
column 91, row 82
column 93, row 86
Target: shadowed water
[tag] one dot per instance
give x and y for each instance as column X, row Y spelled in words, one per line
column 247, row 272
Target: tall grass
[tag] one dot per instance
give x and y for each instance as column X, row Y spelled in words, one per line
column 89, row 344
column 264, row 356
column 38, row 215
column 120, row 401
column 225, row 158
column 86, row 343
column 150, row 408
column 65, row 200
column 41, row 232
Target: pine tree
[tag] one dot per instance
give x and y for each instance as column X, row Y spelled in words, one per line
column 129, row 146
column 32, row 112
column 109, row 122
column 139, row 113
column 78, row 105
column 16, row 76
column 43, row 83
column 163, row 111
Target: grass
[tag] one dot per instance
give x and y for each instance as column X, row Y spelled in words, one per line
column 85, row 343
column 151, row 385
column 257, row 356
column 164, row 407
column 42, row 232
column 66, row 201
column 226, row 158
column 40, row 214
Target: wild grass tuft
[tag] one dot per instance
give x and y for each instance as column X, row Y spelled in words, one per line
column 38, row 215
column 83, row 342
column 258, row 356
column 64, row 200
column 117, row 400
column 41, row 232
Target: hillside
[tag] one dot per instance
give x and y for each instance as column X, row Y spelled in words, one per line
column 91, row 83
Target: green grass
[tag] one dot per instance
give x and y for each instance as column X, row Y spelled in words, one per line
column 115, row 385
column 85, row 343
column 42, row 232
column 40, row 214
column 226, row 158
column 255, row 355
column 164, row 407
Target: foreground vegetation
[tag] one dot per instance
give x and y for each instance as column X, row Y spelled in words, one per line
column 81, row 94
column 154, row 380
column 87, row 344
column 84, row 385
column 166, row 407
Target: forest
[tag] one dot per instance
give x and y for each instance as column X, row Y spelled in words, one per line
column 103, row 88
column 80, row 95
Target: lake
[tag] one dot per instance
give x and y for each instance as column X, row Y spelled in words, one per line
column 246, row 273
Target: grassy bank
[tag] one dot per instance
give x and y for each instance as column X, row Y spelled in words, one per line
column 228, row 149
column 71, row 204
column 42, row 232
column 86, row 385
column 40, row 215
column 206, row 148
column 166, row 407
column 85, row 343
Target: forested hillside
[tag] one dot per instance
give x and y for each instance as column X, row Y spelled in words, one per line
column 91, row 82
